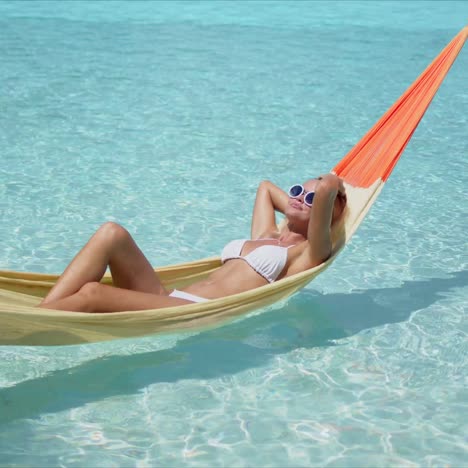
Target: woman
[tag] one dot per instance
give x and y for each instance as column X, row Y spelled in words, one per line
column 313, row 214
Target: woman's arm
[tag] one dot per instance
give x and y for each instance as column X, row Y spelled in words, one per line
column 270, row 198
column 321, row 217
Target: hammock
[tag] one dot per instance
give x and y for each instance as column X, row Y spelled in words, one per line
column 364, row 169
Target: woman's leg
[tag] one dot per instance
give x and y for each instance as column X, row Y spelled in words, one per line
column 111, row 246
column 97, row 297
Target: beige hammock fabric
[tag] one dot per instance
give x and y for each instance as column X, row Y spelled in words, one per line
column 365, row 169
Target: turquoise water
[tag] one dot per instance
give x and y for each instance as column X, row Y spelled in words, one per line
column 164, row 116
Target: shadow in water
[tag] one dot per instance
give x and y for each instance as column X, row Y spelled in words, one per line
column 308, row 320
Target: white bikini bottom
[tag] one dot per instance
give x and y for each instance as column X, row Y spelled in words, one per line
column 187, row 296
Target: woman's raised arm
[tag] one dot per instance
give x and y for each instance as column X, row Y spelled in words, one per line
column 323, row 212
column 270, row 198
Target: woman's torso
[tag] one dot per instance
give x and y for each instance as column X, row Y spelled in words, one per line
column 238, row 272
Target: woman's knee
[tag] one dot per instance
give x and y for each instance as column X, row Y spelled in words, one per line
column 89, row 294
column 114, row 233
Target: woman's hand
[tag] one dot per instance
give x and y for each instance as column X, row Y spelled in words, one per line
column 333, row 182
column 334, row 185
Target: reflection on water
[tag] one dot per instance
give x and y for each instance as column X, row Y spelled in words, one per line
column 308, row 320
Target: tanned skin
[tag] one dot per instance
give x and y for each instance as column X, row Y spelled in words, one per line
column 137, row 287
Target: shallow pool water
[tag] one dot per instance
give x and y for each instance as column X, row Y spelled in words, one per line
column 164, row 117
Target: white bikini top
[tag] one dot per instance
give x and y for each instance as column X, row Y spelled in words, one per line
column 267, row 260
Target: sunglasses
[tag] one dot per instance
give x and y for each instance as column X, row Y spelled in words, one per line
column 297, row 190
